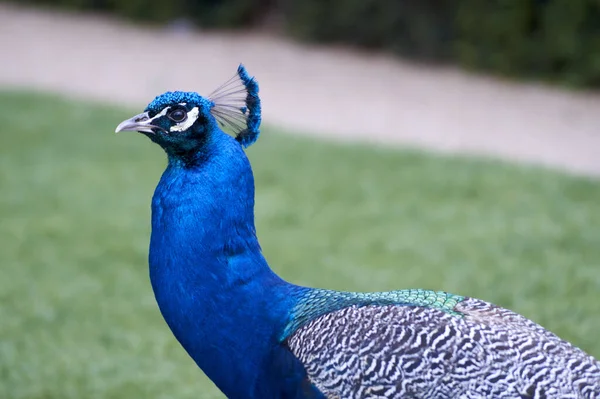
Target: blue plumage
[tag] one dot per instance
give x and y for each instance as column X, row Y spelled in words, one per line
column 176, row 97
column 252, row 107
column 258, row 336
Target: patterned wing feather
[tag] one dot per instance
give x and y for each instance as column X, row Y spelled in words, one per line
column 424, row 352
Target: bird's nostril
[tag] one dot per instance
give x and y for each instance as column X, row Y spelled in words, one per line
column 141, row 119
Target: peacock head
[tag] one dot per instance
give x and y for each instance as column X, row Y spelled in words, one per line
column 180, row 122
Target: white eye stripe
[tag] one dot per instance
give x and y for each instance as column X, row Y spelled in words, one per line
column 161, row 113
column 192, row 116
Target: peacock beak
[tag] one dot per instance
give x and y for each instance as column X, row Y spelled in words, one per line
column 139, row 123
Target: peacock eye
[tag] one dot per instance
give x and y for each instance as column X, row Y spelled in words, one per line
column 177, row 115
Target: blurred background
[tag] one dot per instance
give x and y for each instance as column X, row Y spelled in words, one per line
column 443, row 144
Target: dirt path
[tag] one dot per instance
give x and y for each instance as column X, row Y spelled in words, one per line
column 339, row 93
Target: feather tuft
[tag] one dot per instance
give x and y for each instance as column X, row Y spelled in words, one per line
column 236, row 105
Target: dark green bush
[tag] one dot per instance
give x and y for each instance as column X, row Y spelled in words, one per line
column 416, row 28
column 225, row 13
column 206, row 13
column 145, row 10
column 550, row 39
column 68, row 4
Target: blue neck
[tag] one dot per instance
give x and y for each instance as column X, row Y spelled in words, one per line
column 212, row 284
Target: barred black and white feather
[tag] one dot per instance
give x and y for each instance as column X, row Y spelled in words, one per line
column 426, row 353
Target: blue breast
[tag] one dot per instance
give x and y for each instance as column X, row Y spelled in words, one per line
column 212, row 284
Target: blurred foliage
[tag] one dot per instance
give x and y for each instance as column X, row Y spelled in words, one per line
column 419, row 29
column 206, row 13
column 550, row 39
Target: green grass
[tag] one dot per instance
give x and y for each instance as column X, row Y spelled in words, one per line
column 77, row 315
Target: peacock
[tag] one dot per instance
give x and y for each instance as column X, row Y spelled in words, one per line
column 257, row 336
